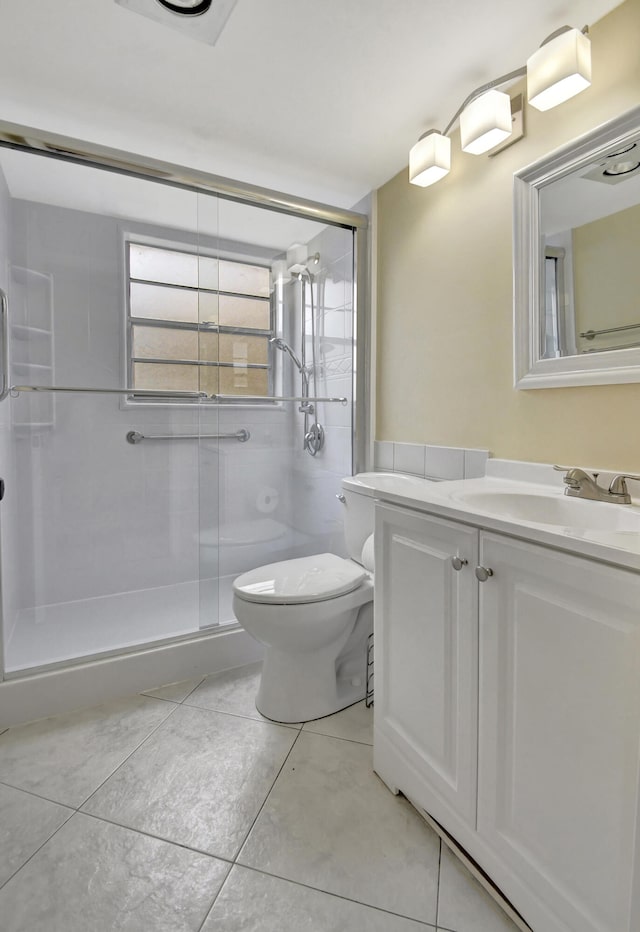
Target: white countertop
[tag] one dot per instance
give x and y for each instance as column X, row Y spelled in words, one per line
column 445, row 499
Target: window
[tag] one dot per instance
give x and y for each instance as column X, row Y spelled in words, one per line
column 198, row 323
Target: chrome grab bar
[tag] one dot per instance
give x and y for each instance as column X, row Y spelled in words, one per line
column 590, row 334
column 143, row 392
column 134, row 436
column 4, row 336
column 342, row 400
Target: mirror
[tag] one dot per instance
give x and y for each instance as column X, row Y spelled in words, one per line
column 577, row 261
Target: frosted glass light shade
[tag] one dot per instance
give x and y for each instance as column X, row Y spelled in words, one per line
column 560, row 69
column 280, row 272
column 485, row 122
column 430, row 159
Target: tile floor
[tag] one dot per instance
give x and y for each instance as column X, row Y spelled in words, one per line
column 183, row 809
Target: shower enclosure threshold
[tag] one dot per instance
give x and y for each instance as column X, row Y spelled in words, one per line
column 68, row 631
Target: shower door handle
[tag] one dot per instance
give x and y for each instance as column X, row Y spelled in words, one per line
column 1, row 489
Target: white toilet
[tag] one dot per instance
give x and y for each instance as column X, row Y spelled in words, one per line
column 314, row 616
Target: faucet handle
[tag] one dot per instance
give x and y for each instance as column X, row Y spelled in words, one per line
column 619, row 484
column 577, row 469
column 575, row 475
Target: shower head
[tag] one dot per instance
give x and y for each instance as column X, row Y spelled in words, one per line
column 282, row 345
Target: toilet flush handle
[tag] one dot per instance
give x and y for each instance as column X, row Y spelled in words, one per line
column 341, row 498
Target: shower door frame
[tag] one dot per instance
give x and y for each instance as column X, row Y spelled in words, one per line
column 65, row 148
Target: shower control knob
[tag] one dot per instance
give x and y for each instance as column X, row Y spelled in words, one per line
column 458, row 562
column 483, row 573
column 341, row 498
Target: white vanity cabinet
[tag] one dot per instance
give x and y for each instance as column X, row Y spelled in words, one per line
column 537, row 672
column 427, row 649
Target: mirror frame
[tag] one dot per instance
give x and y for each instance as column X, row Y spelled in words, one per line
column 530, row 370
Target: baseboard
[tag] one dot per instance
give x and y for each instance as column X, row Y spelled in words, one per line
column 40, row 695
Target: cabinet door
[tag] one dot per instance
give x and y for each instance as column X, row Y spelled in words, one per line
column 559, row 726
column 426, row 651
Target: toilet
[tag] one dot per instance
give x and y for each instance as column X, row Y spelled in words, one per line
column 314, row 616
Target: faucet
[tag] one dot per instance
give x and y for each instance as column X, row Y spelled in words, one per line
column 582, row 485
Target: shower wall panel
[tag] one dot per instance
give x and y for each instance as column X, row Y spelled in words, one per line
column 317, row 479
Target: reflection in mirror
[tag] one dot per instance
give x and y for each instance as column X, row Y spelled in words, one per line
column 576, row 268
column 590, row 224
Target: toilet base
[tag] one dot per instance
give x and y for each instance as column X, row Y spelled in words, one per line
column 302, row 687
column 299, row 688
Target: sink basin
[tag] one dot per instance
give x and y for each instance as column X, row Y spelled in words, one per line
column 554, row 509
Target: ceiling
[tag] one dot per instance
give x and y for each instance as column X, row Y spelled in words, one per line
column 318, row 98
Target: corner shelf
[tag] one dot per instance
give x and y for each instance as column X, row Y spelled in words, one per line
column 31, row 344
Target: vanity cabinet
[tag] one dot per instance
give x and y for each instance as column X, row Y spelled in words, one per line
column 427, row 649
column 533, row 673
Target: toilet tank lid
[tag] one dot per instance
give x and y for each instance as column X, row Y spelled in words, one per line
column 306, row 579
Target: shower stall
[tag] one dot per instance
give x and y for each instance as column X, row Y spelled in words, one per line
column 182, row 388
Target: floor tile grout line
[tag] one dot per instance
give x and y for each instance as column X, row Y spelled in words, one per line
column 339, row 896
column 123, row 762
column 149, row 693
column 215, row 898
column 86, row 799
column 46, row 799
column 39, row 848
column 166, row 841
column 242, row 843
column 293, row 726
column 269, row 792
column 321, row 734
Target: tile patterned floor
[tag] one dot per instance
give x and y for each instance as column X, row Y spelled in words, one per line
column 185, row 810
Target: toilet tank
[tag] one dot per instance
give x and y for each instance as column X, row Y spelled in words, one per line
column 359, row 515
column 359, row 504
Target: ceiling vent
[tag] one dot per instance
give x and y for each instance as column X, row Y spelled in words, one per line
column 203, row 20
column 616, row 167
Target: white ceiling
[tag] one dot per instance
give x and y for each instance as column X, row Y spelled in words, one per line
column 319, row 98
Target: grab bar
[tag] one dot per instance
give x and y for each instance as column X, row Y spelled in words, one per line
column 144, row 392
column 4, row 336
column 590, row 334
column 342, row 401
column 134, row 436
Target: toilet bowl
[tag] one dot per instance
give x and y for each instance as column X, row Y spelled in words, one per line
column 314, row 616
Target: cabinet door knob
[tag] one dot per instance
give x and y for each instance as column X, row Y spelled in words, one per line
column 483, row 573
column 458, row 562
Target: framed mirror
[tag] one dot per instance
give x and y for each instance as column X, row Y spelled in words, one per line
column 577, row 261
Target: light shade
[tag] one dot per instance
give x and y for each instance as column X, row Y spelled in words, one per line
column 280, row 272
column 560, row 69
column 430, row 159
column 485, row 122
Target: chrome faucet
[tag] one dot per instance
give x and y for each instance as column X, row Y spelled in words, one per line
column 581, row 484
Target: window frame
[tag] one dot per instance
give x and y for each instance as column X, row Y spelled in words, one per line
column 130, row 238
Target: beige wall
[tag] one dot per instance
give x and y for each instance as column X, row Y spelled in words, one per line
column 606, row 268
column 444, row 329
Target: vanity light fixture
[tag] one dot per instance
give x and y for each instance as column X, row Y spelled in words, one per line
column 559, row 69
column 430, row 158
column 485, row 122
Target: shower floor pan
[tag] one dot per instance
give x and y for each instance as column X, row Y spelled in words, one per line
column 51, row 634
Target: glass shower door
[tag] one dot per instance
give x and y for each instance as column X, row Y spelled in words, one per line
column 101, row 517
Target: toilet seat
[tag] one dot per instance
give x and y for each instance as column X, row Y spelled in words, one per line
column 303, row 580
